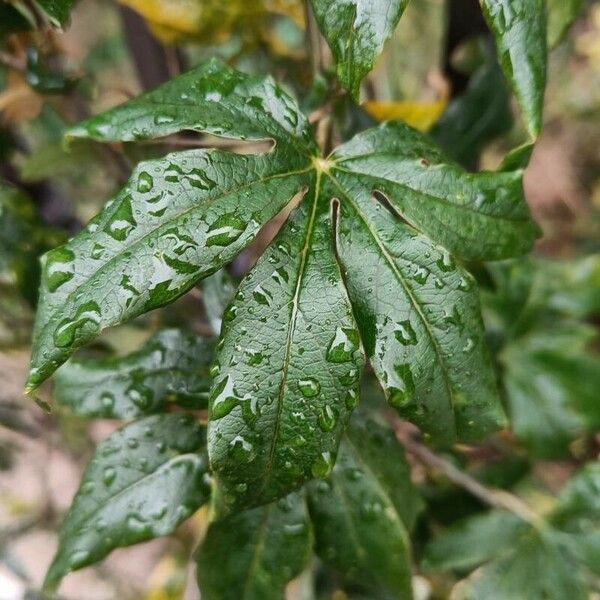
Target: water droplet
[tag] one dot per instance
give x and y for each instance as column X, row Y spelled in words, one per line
column 145, row 182
column 59, row 267
column 137, row 524
column 225, row 230
column 97, row 251
column 86, row 322
column 446, row 262
column 309, row 387
column 469, row 345
column 401, row 390
column 351, row 399
column 224, row 399
column 163, row 120
column 241, row 449
column 327, row 418
column 200, row 180
column 405, row 334
column 122, row 222
column 78, row 559
column 262, row 296
column 109, row 475
column 107, row 400
column 344, row 344
column 421, row 275
column 322, row 467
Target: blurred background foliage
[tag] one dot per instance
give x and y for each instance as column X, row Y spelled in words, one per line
column 438, row 73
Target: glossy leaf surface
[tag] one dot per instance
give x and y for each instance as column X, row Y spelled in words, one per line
column 290, row 353
column 356, row 31
column 211, row 98
column 171, row 367
column 252, row 555
column 360, row 512
column 419, row 318
column 177, row 220
column 290, row 362
column 477, row 216
column 519, row 27
column 141, row 483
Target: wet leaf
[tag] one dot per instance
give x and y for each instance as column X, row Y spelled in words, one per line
column 172, row 367
column 361, row 512
column 253, row 555
column 356, row 31
column 141, row 483
column 290, row 355
column 519, row 27
column 419, row 317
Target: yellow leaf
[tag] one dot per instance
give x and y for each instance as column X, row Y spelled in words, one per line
column 211, row 20
column 420, row 115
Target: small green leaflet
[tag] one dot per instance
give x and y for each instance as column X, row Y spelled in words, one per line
column 362, row 511
column 253, row 555
column 519, row 27
column 356, row 31
column 141, row 483
column 290, row 355
column 171, row 367
column 565, row 548
column 561, row 14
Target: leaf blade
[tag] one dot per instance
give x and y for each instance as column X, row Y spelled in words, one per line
column 356, row 31
column 429, row 356
column 278, row 391
column 177, row 220
column 477, row 216
column 519, row 28
column 358, row 528
column 162, row 486
column 212, row 98
column 252, row 555
column 171, row 367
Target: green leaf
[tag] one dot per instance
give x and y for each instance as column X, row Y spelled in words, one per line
column 419, row 318
column 171, row 367
column 217, row 293
column 552, row 392
column 252, row 555
column 360, row 515
column 290, row 355
column 290, row 362
column 477, row 216
column 178, row 219
column 211, row 98
column 539, row 567
column 475, row 118
column 473, row 542
column 141, row 483
column 519, row 27
column 561, row 14
column 356, row 31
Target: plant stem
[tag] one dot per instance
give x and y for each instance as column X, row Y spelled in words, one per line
column 495, row 498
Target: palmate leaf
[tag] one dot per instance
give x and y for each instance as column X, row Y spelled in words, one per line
column 171, row 367
column 290, row 355
column 519, row 27
column 356, row 31
column 252, row 555
column 142, row 482
column 362, row 512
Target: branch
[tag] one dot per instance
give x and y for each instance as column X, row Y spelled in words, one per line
column 496, row 498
